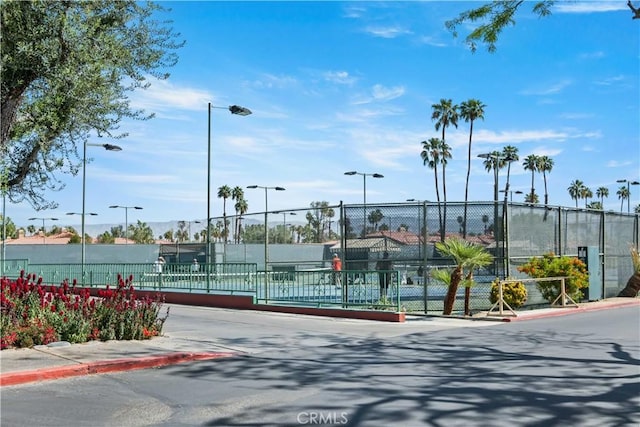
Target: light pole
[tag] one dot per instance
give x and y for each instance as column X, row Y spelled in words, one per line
column 511, row 193
column 108, row 147
column 44, row 234
column 126, row 219
column 266, row 230
column 629, row 183
column 284, row 224
column 233, row 109
column 195, row 222
column 364, row 205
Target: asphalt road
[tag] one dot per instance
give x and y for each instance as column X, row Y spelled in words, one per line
column 576, row 370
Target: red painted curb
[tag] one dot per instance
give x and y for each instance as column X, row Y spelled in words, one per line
column 104, row 366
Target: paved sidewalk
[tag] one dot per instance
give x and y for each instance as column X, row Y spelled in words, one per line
column 62, row 360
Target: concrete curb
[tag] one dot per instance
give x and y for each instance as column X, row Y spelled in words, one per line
column 564, row 311
column 105, row 366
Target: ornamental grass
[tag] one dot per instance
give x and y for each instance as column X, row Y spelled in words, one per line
column 32, row 313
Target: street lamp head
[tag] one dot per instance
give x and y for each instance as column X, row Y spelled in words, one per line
column 279, row 188
column 238, row 110
column 252, row 186
column 114, row 206
column 634, row 183
column 377, row 175
column 621, row 180
column 484, row 155
column 292, row 213
column 111, row 147
column 137, row 207
column 518, row 192
column 351, row 173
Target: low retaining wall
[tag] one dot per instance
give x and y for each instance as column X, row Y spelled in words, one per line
column 247, row 302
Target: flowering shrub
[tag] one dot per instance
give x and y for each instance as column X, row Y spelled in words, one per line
column 514, row 293
column 32, row 313
column 551, row 266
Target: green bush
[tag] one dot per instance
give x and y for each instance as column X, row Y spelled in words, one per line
column 549, row 265
column 514, row 293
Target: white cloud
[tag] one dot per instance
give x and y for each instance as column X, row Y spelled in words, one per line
column 589, row 7
column 576, row 116
column 551, row 89
column 164, row 96
column 592, row 55
column 431, row 41
column 382, row 93
column 387, row 32
column 340, row 77
column 270, row 81
column 617, row 164
column 610, row 80
column 516, row 137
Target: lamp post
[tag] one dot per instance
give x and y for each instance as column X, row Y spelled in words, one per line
column 497, row 160
column 44, row 234
column 266, row 231
column 239, row 111
column 511, row 193
column 195, row 222
column 364, row 205
column 126, row 219
column 108, row 147
column 629, row 183
column 284, row 224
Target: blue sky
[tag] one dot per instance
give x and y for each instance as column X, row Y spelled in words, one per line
column 341, row 86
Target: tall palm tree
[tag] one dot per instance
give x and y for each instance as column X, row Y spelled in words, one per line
column 586, row 194
column 510, row 153
column 241, row 207
column 224, row 193
column 531, row 164
column 575, row 190
column 430, row 155
column 623, row 194
column 445, row 155
column 444, row 114
column 545, row 164
column 601, row 193
column 470, row 110
column 237, row 193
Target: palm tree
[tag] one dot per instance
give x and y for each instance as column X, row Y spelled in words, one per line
column 241, row 207
column 375, row 217
column 601, row 193
column 431, row 157
column 510, row 154
column 531, row 164
column 586, row 194
column 444, row 114
column 470, row 111
column 485, row 221
column 575, row 190
column 236, row 194
column 467, row 256
column 445, row 154
column 532, row 198
column 545, row 164
column 623, row 194
column 224, row 193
